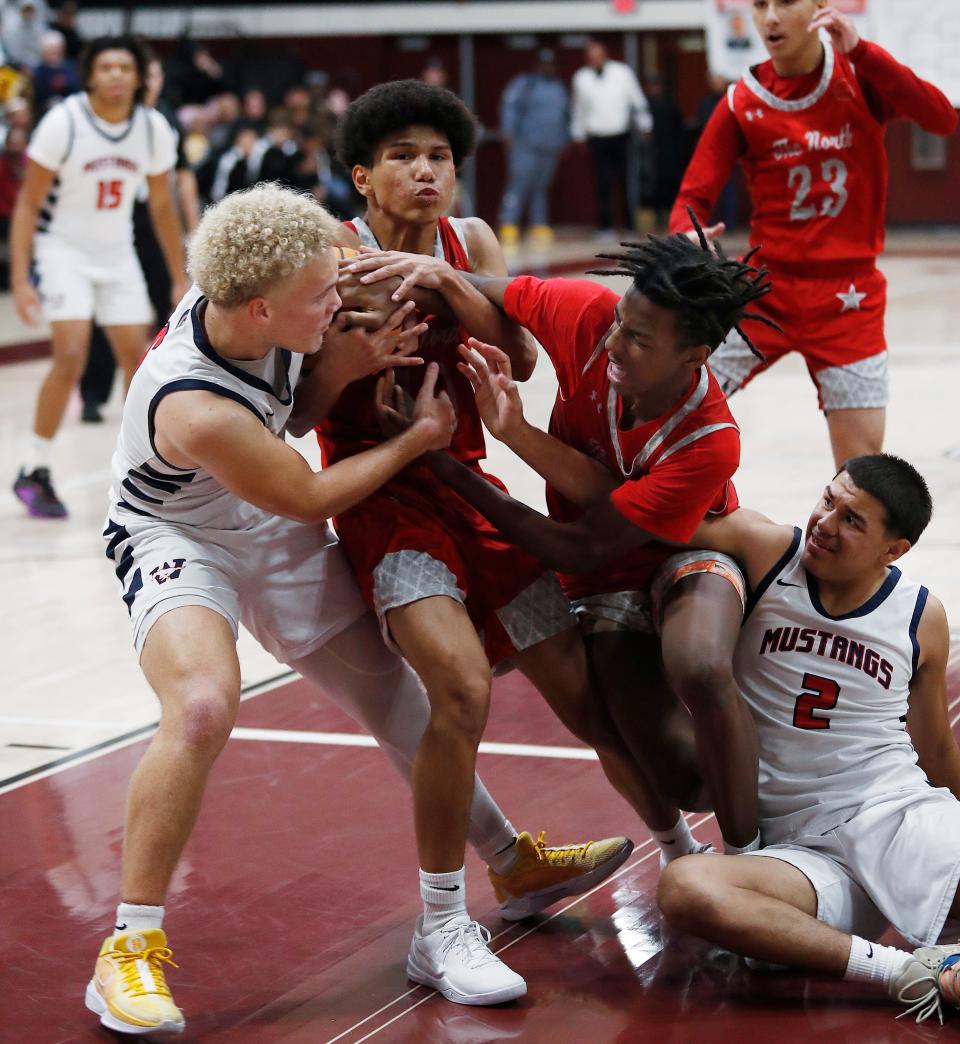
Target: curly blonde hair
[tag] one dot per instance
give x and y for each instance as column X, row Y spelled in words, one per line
column 253, row 238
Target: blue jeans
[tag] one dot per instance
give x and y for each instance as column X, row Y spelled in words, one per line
column 529, row 174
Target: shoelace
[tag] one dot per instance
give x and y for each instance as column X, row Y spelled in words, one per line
column 473, row 939
column 560, row 856
column 927, row 1005
column 155, row 957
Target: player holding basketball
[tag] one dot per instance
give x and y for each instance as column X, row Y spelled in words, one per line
column 436, row 573
column 840, row 654
column 808, row 126
column 214, row 520
column 641, row 447
column 88, row 158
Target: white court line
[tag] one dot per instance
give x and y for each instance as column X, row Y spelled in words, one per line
column 138, row 734
column 360, row 739
column 433, row 993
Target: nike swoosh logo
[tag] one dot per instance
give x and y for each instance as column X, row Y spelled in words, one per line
column 447, row 888
column 783, row 583
column 870, row 948
column 119, row 927
column 668, row 842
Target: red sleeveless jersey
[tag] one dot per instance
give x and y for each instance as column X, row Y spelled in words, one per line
column 676, row 468
column 351, row 426
column 815, row 166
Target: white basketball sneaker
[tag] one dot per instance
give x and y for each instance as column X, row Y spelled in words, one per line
column 457, row 962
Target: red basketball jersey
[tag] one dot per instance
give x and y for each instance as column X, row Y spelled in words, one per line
column 351, row 426
column 815, row 165
column 676, row 468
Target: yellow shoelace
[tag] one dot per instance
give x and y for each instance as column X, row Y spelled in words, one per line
column 560, row 856
column 155, row 957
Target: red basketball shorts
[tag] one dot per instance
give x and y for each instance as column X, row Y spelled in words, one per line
column 835, row 322
column 415, row 538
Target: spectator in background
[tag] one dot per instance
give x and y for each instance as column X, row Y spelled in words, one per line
column 23, row 29
column 534, row 121
column 237, row 168
column 669, row 152
column 435, row 72
column 64, row 21
column 16, row 113
column 607, row 104
column 56, row 76
column 255, row 107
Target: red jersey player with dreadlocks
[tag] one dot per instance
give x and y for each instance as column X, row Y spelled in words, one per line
column 808, row 127
column 641, row 447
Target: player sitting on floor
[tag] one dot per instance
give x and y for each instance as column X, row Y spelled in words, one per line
column 839, row 657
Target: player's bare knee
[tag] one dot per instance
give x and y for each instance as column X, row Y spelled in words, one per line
column 204, row 720
column 706, row 683
column 684, row 892
column 461, row 706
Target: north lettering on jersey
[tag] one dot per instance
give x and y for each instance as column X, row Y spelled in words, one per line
column 829, row 645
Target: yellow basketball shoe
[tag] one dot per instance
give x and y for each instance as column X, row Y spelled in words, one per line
column 543, row 875
column 128, row 989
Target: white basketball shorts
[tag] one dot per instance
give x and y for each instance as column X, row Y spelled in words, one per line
column 72, row 284
column 287, row 582
column 897, row 861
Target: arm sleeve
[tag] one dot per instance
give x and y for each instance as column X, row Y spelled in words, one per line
column 567, row 316
column 674, row 497
column 894, row 91
column 163, row 156
column 50, row 141
column 714, row 158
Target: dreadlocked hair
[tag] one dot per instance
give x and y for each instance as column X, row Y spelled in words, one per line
column 709, row 291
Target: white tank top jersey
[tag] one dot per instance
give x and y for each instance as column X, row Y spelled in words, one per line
column 100, row 168
column 182, row 359
column 829, row 696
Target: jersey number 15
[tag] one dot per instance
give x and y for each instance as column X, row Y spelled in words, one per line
column 109, row 194
column 822, row 695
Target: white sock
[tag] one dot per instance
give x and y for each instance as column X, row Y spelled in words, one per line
column 871, row 962
column 444, row 897
column 500, row 850
column 729, row 849
column 38, row 453
column 134, row 918
column 677, row 841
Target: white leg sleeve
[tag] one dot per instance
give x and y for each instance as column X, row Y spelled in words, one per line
column 381, row 692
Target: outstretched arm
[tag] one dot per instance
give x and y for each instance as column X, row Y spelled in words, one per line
column 203, row 429
column 748, row 536
column 928, row 715
column 601, row 535
column 574, row 475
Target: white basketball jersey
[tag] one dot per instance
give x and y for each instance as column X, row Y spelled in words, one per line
column 829, row 696
column 182, row 359
column 100, row 168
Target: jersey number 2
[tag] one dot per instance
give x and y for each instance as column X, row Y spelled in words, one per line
column 109, row 194
column 834, row 173
column 823, row 695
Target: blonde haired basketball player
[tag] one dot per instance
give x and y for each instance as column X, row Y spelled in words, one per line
column 215, row 520
column 840, row 655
